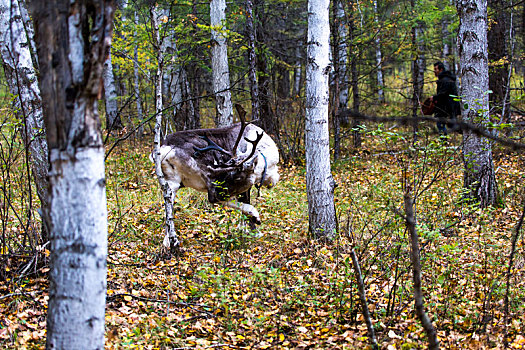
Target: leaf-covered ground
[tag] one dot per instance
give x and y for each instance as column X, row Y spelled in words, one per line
column 230, row 289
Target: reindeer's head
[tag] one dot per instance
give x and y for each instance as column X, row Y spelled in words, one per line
column 231, row 181
column 232, row 172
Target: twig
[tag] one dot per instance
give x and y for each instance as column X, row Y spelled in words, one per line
column 460, row 125
column 188, row 305
column 364, row 304
column 21, row 293
column 515, row 237
column 433, row 342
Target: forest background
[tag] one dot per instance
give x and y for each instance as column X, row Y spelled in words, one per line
column 288, row 289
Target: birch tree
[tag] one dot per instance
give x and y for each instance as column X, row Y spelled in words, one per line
column 171, row 241
column 22, row 81
column 339, row 53
column 219, row 64
column 319, row 181
column 73, row 39
column 379, row 58
column 113, row 120
column 136, row 77
column 354, row 71
column 252, row 60
column 418, row 63
column 479, row 178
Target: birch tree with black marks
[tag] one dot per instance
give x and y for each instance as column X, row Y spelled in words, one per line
column 171, row 241
column 20, row 71
column 319, row 182
column 479, row 177
column 219, row 64
column 73, row 40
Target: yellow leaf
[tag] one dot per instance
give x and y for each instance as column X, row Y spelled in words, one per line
column 281, row 337
column 128, row 297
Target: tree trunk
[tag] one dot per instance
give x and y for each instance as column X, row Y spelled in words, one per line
column 479, row 177
column 266, row 117
column 136, row 82
column 252, row 60
column 113, row 121
column 219, row 64
column 342, row 29
column 22, row 81
column 418, row 66
column 379, row 58
column 433, row 342
column 73, row 39
column 336, row 78
column 319, row 181
column 297, row 73
column 354, row 83
column 445, row 36
column 498, row 56
column 167, row 193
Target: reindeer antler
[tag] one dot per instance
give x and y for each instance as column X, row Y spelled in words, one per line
column 254, row 147
column 211, row 146
column 242, row 115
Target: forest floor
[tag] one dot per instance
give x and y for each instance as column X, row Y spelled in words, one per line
column 229, row 289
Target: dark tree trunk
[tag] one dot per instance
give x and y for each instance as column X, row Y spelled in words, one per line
column 252, row 60
column 354, row 82
column 335, row 77
column 266, row 118
column 498, row 55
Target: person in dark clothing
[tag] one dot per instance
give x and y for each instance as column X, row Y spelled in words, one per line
column 447, row 109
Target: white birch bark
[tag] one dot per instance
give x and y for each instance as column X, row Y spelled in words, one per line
column 112, row 119
column 479, row 177
column 78, row 228
column 297, row 72
column 77, row 214
column 319, row 181
column 136, row 81
column 445, row 33
column 171, row 241
column 343, row 55
column 219, row 64
column 379, row 58
column 22, row 81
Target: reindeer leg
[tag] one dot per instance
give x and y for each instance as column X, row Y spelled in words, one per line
column 245, row 198
column 246, row 208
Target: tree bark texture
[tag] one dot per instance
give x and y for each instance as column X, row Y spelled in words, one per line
column 16, row 41
column 252, row 60
column 113, row 121
column 73, row 40
column 319, row 181
column 342, row 29
column 167, row 193
column 379, row 58
column 336, row 78
column 354, row 82
column 418, row 66
column 479, row 177
column 219, row 64
column 498, row 56
column 136, row 81
column 266, row 116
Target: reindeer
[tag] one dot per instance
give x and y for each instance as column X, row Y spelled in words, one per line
column 224, row 162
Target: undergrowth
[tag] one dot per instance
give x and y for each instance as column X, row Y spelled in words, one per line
column 230, row 288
